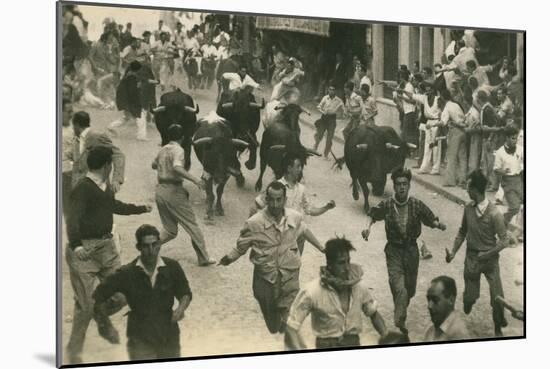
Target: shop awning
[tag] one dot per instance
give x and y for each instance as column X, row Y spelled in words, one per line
column 310, row 26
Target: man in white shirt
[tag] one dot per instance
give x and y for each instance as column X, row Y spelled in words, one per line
column 240, row 79
column 509, row 166
column 337, row 301
column 329, row 107
column 452, row 117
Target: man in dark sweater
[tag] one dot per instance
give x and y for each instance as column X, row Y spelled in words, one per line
column 150, row 283
column 481, row 224
column 91, row 252
column 403, row 217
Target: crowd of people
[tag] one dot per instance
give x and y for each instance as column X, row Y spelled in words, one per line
column 275, row 233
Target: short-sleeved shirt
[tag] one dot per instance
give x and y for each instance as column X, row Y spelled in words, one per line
column 150, row 316
column 452, row 329
column 408, row 107
column 328, row 319
column 504, row 161
column 273, row 245
column 330, row 105
column 452, row 113
column 296, row 197
column 368, row 110
column 354, row 104
column 169, row 157
column 418, row 214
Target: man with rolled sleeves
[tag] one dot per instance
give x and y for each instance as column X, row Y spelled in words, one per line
column 272, row 236
column 481, row 224
column 329, row 106
column 403, row 217
column 173, row 199
column 91, row 253
column 150, row 284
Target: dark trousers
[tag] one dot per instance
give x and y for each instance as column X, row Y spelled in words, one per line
column 142, row 350
column 352, row 124
column 473, row 269
column 327, row 123
column 402, row 262
column 346, row 340
column 513, row 193
column 275, row 299
column 409, row 133
column 66, row 187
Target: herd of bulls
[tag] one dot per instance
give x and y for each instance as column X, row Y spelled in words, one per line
column 221, row 136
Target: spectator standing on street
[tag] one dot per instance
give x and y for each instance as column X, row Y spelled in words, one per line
column 369, row 109
column 492, row 138
column 509, row 167
column 448, row 324
column 150, row 283
column 296, row 197
column 353, row 109
column 329, row 107
column 272, row 236
column 91, row 253
column 481, row 224
column 336, row 300
column 403, row 216
column 172, row 198
column 474, row 130
column 452, row 117
column 432, row 113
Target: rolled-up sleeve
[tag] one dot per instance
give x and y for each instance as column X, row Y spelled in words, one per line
column 300, row 309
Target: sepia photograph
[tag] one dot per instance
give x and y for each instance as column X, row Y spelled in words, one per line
column 238, row 183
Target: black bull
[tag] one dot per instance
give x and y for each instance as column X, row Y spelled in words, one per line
column 282, row 138
column 243, row 112
column 178, row 108
column 217, row 151
column 370, row 154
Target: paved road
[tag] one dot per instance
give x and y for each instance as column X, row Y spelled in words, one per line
column 223, row 317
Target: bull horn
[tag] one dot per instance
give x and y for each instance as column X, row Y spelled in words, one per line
column 252, row 138
column 238, row 142
column 277, row 147
column 279, row 107
column 255, row 105
column 411, row 146
column 159, row 109
column 361, row 146
column 312, row 152
column 190, row 109
column 227, row 105
column 202, row 141
column 391, row 146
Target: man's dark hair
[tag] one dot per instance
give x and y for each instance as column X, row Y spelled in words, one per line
column 81, row 119
column 449, row 285
column 400, row 173
column 146, row 33
column 418, row 77
column 335, row 247
column 429, row 71
column 461, row 44
column 349, row 85
column 437, row 65
column 478, row 180
column 473, row 82
column 404, row 74
column 276, row 186
column 394, row 338
column 365, row 88
column 289, row 158
column 98, row 157
column 510, row 131
column 128, row 24
column 146, row 230
column 471, row 64
column 175, row 132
